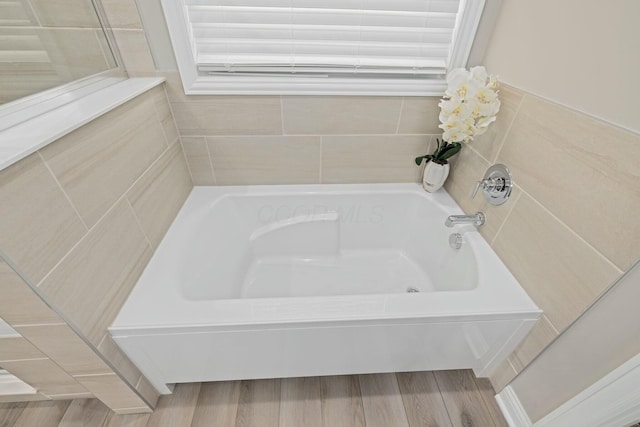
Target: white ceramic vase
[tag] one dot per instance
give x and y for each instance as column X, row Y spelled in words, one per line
column 434, row 176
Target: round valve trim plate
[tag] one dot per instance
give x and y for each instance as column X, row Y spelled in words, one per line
column 498, row 173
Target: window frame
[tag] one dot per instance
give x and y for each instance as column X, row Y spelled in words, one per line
column 196, row 84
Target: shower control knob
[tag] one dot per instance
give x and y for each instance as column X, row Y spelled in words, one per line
column 496, row 185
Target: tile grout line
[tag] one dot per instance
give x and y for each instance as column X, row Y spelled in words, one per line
column 309, row 135
column 476, row 152
column 124, row 194
column 108, row 419
column 173, row 117
column 139, row 178
column 29, row 359
column 159, row 122
column 506, row 134
column 281, row 115
column 139, row 224
column 67, row 373
column 575, row 110
column 184, row 153
column 572, row 231
column 515, row 357
column 104, row 374
column 33, row 12
column 514, row 370
column 552, row 325
column 213, row 171
column 321, row 148
column 506, row 218
column 78, row 29
column 68, row 396
column 55, row 178
column 55, row 266
column 79, row 241
column 29, row 325
column 400, row 115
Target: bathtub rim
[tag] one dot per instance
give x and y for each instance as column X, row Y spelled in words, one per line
column 433, row 311
column 504, row 300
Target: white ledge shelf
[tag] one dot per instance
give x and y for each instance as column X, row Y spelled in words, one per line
column 7, row 331
column 12, row 386
column 25, row 138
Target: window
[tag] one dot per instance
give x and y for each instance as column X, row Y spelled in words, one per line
column 367, row 47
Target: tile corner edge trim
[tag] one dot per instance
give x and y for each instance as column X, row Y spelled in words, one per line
column 27, row 137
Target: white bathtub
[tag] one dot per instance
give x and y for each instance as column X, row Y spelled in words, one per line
column 285, row 281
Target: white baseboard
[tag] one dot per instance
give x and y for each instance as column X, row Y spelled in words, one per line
column 511, row 408
column 614, row 400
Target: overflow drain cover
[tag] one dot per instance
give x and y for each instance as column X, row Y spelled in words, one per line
column 412, row 290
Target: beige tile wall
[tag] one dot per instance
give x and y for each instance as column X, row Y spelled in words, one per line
column 81, row 218
column 235, row 140
column 21, row 358
column 22, row 308
column 566, row 234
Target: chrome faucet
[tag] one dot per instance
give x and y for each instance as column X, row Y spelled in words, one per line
column 476, row 219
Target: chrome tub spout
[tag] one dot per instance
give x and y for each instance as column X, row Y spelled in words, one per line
column 476, row 219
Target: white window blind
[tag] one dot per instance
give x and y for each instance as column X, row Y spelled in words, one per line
column 328, row 39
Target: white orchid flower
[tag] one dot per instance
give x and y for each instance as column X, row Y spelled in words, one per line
column 469, row 106
column 479, row 74
column 492, row 83
column 453, row 108
column 453, row 135
column 485, row 95
column 487, row 110
column 458, row 130
column 484, row 123
column 458, row 81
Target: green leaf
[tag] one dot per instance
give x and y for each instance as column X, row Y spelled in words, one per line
column 450, row 151
column 443, row 146
column 421, row 158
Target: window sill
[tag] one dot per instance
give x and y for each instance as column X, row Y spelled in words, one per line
column 28, row 136
column 243, row 85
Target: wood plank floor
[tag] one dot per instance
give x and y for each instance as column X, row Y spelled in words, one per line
column 416, row 399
